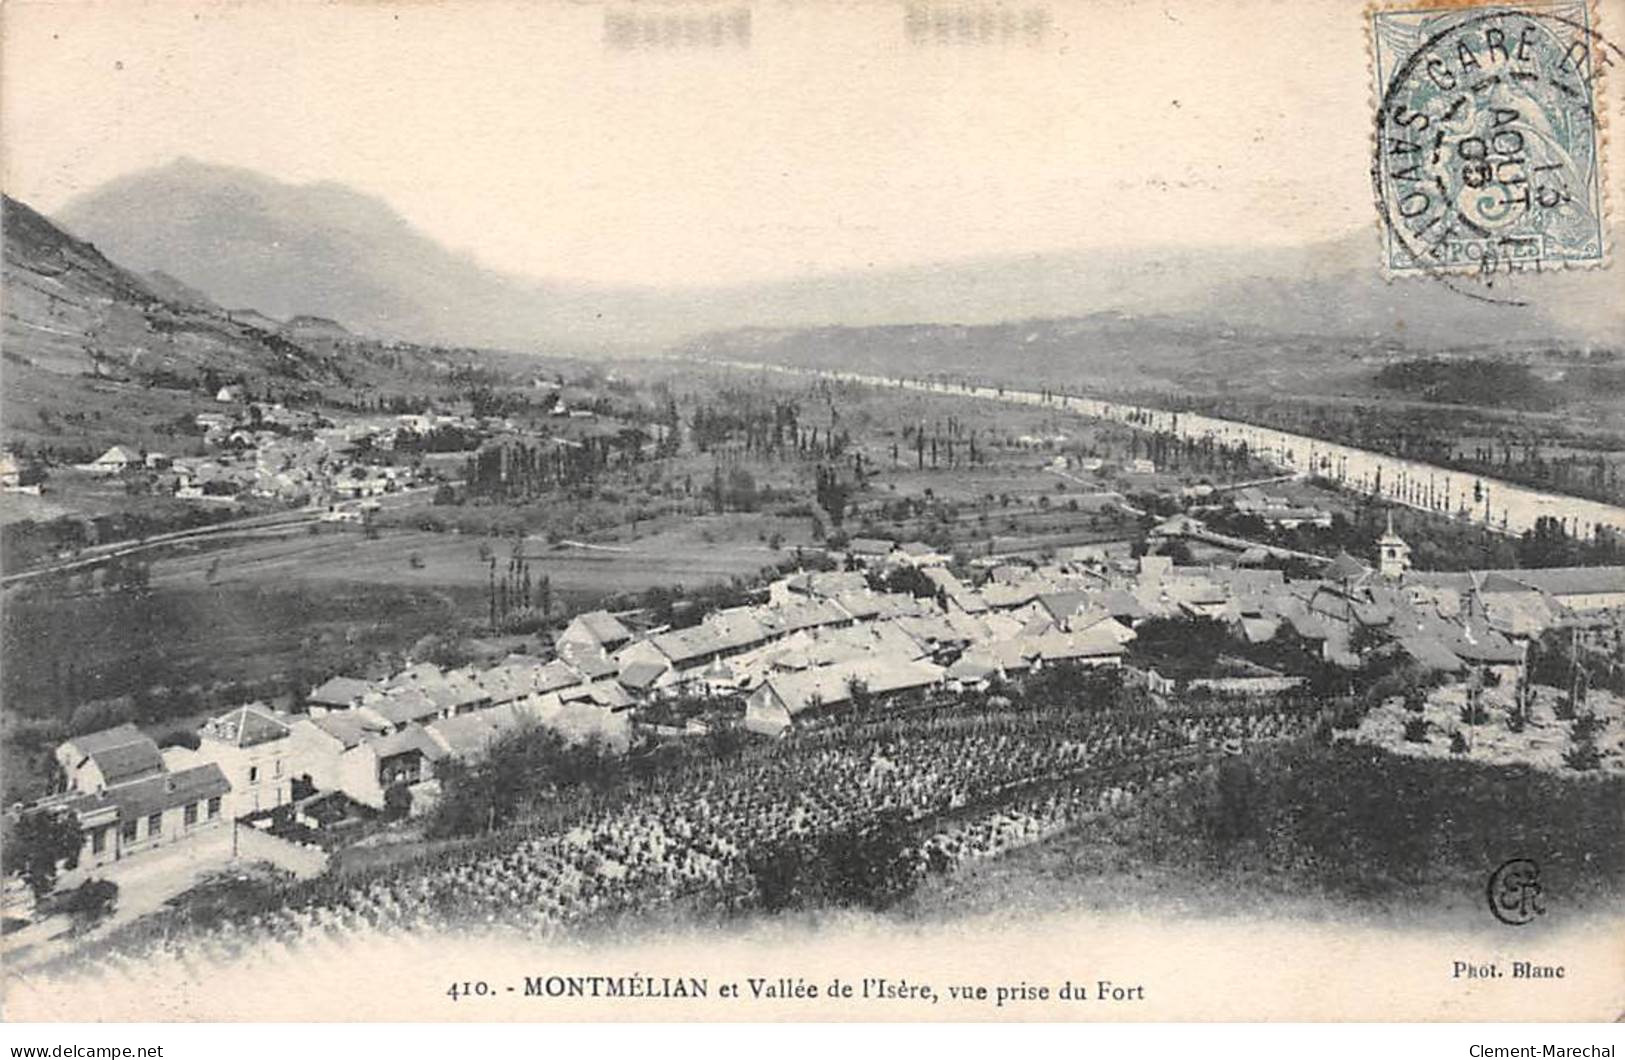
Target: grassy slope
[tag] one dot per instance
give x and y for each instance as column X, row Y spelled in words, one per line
column 1337, row 833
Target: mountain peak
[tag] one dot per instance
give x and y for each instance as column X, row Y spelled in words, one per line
column 324, row 249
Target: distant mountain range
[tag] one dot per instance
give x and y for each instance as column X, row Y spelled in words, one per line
column 323, row 249
column 1110, row 349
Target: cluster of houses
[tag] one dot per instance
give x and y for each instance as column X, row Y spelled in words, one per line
column 129, row 796
column 269, row 466
column 264, row 461
column 270, row 451
column 818, row 641
column 1278, row 512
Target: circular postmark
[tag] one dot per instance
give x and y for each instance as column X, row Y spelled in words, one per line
column 1514, row 892
column 1487, row 157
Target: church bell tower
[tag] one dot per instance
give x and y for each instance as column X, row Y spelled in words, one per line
column 1393, row 554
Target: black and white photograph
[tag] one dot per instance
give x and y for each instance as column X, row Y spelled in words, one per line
column 812, row 510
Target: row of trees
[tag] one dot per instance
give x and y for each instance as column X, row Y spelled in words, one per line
column 1549, row 544
column 520, row 471
column 516, row 601
column 741, row 419
column 1561, row 459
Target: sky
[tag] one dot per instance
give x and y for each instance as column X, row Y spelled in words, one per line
column 838, row 138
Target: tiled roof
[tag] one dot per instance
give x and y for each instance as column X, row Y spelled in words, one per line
column 404, row 705
column 158, row 793
column 607, row 694
column 344, row 726
column 412, row 738
column 416, row 675
column 1009, row 594
column 123, row 754
column 1431, row 653
column 589, row 659
column 120, row 765
column 973, row 666
column 1499, row 582
column 473, row 733
column 117, row 736
column 1091, row 643
column 684, row 646
column 641, row 675
column 1345, row 568
column 1572, row 581
column 1063, row 605
column 339, row 691
column 556, row 675
column 830, row 685
column 1122, row 604
column 1015, row 654
column 603, row 627
column 860, row 605
column 247, row 726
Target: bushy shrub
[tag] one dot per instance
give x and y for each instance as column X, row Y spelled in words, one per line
column 1582, row 754
column 397, row 801
column 1235, row 805
column 870, row 865
column 1349, row 714
column 520, row 769
column 100, row 714
column 1416, row 730
column 1586, row 727
column 1582, row 757
column 1458, row 743
column 38, row 844
column 89, row 902
column 181, row 738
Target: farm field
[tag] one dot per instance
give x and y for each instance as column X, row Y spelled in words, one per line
column 692, row 553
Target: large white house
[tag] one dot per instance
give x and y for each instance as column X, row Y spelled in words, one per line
column 253, row 748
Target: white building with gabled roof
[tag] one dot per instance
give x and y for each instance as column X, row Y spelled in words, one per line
column 253, row 748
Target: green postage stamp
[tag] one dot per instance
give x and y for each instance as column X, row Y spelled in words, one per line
column 1490, row 134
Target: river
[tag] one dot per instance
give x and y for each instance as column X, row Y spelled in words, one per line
column 1499, row 505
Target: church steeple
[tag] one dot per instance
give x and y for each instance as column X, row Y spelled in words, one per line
column 1393, row 554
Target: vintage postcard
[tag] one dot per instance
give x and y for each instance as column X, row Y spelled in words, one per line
column 866, row 510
